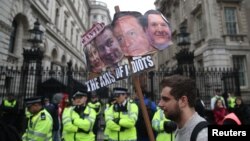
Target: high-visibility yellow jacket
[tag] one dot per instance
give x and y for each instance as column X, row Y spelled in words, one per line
column 231, row 101
column 73, row 122
column 39, row 127
column 69, row 129
column 9, row 104
column 106, row 130
column 96, row 106
column 127, row 123
column 158, row 125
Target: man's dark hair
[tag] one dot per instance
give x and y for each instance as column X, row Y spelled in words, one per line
column 181, row 86
column 134, row 14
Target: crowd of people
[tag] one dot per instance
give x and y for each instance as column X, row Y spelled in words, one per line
column 174, row 118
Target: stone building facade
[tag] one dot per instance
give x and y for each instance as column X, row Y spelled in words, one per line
column 219, row 33
column 62, row 21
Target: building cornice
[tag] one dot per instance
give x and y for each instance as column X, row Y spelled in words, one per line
column 40, row 11
column 75, row 14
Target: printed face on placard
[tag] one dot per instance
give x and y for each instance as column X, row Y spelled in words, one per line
column 131, row 36
column 93, row 59
column 108, row 47
column 124, row 47
column 157, row 29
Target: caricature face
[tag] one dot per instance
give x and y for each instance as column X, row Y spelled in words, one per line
column 158, row 31
column 131, row 36
column 108, row 48
column 96, row 63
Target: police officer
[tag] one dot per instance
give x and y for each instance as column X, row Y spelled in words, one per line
column 9, row 110
column 121, row 117
column 95, row 104
column 231, row 101
column 163, row 126
column 81, row 118
column 110, row 102
column 40, row 123
column 68, row 129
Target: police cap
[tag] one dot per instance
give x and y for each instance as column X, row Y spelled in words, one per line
column 32, row 100
column 80, row 94
column 117, row 91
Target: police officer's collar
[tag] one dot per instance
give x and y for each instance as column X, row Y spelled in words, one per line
column 124, row 102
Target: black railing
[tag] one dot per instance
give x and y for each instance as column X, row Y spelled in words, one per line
column 21, row 82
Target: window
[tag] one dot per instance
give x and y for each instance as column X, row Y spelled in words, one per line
column 57, row 17
column 65, row 25
column 230, row 20
column 183, row 9
column 240, row 63
column 79, row 5
column 200, row 63
column 199, row 27
column 72, row 32
column 77, row 36
column 13, row 37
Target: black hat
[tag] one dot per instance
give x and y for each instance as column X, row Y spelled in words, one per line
column 80, row 93
column 94, row 94
column 32, row 100
column 118, row 90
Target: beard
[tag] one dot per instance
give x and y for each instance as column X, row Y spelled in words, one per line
column 175, row 114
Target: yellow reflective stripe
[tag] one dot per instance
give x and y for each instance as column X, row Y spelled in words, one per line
column 156, row 123
column 39, row 134
column 122, row 140
column 48, row 138
column 91, row 119
column 133, row 116
column 161, row 114
column 28, row 139
column 108, row 118
column 66, row 121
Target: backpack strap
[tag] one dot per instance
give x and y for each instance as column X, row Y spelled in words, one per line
column 197, row 129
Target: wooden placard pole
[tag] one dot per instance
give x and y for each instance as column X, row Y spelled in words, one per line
column 135, row 79
column 136, row 82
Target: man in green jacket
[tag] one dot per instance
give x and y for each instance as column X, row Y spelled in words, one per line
column 121, row 117
column 9, row 110
column 78, row 121
column 95, row 104
column 164, row 127
column 40, row 123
